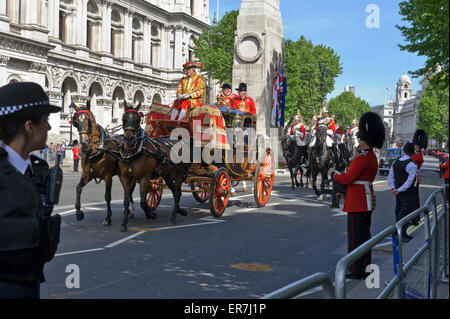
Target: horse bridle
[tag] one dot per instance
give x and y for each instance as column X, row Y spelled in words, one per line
column 130, row 127
column 89, row 130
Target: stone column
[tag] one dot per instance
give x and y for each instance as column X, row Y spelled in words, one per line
column 81, row 24
column 178, row 50
column 147, row 27
column 4, row 19
column 3, row 64
column 164, row 49
column 106, row 27
column 128, row 35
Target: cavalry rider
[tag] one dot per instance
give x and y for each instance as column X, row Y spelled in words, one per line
column 226, row 98
column 338, row 135
column 298, row 130
column 243, row 102
column 360, row 196
column 329, row 122
column 190, row 93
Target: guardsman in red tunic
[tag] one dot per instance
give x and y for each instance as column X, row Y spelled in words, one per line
column 190, row 92
column 330, row 124
column 226, row 98
column 244, row 103
column 420, row 141
column 360, row 197
column 446, row 175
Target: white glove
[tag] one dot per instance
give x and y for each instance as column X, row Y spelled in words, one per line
column 186, row 96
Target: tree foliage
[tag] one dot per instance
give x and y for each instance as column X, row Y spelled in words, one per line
column 311, row 71
column 215, row 48
column 433, row 112
column 427, row 34
column 346, row 106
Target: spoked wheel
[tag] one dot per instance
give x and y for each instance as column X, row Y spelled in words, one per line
column 154, row 194
column 203, row 188
column 219, row 192
column 264, row 176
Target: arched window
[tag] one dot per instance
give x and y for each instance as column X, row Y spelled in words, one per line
column 154, row 46
column 116, row 33
column 118, row 97
column 138, row 98
column 93, row 26
column 406, row 95
column 68, row 88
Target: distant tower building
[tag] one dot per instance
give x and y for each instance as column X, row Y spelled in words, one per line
column 349, row 88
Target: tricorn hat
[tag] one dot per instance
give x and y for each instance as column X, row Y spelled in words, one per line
column 191, row 64
column 24, row 99
column 226, row 86
column 420, row 138
column 242, row 87
column 371, row 129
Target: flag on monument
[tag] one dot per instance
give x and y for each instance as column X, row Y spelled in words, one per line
column 282, row 96
column 275, row 92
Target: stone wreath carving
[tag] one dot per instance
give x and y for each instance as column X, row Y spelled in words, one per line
column 249, row 47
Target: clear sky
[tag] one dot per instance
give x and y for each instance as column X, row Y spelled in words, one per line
column 371, row 58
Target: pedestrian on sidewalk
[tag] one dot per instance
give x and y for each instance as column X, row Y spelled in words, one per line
column 401, row 180
column 76, row 155
column 360, row 197
column 420, row 141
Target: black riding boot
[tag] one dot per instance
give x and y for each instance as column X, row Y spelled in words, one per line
column 305, row 155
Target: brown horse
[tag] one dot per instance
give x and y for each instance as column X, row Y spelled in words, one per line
column 95, row 162
column 143, row 159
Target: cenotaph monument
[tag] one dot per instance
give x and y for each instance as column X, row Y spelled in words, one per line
column 259, row 44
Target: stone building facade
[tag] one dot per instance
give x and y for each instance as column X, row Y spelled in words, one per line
column 103, row 50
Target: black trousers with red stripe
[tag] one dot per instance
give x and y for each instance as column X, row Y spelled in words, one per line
column 358, row 232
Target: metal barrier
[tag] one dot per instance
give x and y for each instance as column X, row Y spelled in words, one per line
column 348, row 260
column 421, row 274
column 418, row 278
column 305, row 284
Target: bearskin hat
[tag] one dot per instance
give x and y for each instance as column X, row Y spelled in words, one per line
column 420, row 138
column 371, row 129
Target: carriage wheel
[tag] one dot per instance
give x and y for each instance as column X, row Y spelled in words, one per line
column 220, row 192
column 264, row 176
column 203, row 195
column 154, row 194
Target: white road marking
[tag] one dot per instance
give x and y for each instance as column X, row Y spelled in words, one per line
column 79, row 252
column 116, row 243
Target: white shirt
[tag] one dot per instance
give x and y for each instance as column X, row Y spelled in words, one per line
column 411, row 169
column 15, row 159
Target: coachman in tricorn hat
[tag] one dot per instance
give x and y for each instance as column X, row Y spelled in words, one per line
column 28, row 234
column 190, row 92
column 360, row 197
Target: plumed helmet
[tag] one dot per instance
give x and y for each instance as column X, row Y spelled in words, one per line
column 420, row 138
column 371, row 129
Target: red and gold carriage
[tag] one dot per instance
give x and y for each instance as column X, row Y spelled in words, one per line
column 212, row 182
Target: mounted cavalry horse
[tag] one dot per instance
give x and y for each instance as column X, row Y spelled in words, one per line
column 319, row 159
column 95, row 162
column 294, row 159
column 142, row 159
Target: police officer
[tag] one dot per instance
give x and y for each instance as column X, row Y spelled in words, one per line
column 24, row 220
column 360, row 197
column 401, row 179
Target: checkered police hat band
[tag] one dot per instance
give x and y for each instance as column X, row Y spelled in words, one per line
column 5, row 110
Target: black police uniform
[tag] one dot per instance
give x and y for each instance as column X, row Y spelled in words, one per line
column 21, row 264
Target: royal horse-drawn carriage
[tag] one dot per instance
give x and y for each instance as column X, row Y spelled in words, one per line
column 241, row 158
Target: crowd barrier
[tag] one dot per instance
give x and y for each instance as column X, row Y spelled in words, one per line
column 418, row 277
